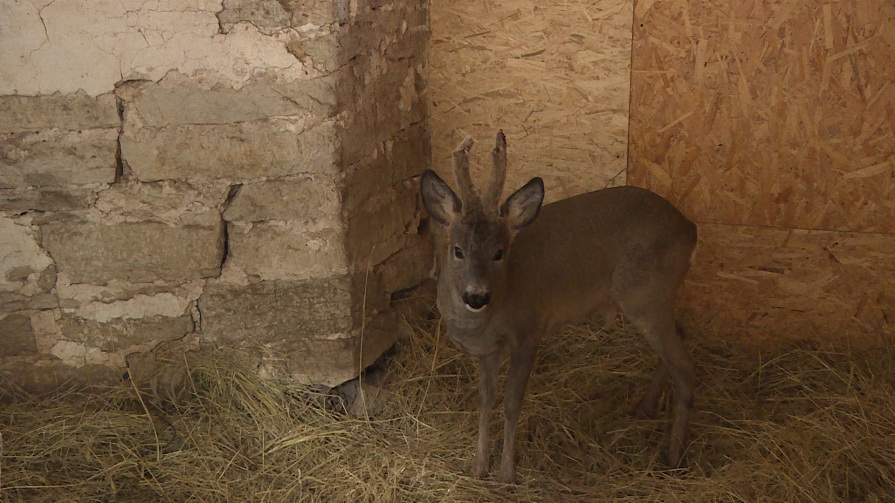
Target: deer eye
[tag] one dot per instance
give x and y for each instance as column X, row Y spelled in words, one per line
column 498, row 256
column 458, row 252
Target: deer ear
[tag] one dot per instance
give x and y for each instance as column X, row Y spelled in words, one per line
column 521, row 208
column 440, row 201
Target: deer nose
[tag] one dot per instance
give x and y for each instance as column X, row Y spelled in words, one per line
column 476, row 301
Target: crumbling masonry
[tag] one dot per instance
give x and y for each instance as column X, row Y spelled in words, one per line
column 238, row 173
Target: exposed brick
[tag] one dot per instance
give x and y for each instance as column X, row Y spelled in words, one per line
column 408, row 267
column 313, row 325
column 120, row 334
column 244, row 151
column 272, row 312
column 57, row 157
column 407, row 154
column 174, row 202
column 304, row 199
column 410, row 152
column 16, row 335
column 323, row 147
column 45, row 199
column 385, row 107
column 45, row 374
column 393, row 217
column 334, row 361
column 321, row 52
column 58, row 111
column 178, row 100
column 271, row 15
column 138, row 252
column 27, row 274
column 15, row 301
column 282, row 251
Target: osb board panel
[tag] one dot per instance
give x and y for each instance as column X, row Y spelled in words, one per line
column 767, row 112
column 765, row 286
column 554, row 76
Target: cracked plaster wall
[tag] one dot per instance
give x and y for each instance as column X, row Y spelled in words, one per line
column 240, row 171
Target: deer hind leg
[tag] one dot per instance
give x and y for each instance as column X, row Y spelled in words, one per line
column 608, row 312
column 677, row 360
column 649, row 403
column 647, row 406
column 654, row 318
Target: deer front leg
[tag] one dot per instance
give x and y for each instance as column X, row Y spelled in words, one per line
column 521, row 361
column 489, row 368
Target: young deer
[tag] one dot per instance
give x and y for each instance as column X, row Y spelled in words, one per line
column 515, row 273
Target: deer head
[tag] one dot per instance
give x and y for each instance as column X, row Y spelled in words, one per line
column 480, row 233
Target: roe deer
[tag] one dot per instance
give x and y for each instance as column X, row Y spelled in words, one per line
column 511, row 275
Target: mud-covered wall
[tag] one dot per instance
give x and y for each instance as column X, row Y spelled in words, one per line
column 239, row 171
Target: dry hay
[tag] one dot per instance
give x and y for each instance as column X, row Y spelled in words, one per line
column 803, row 425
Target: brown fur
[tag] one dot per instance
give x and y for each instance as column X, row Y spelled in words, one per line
column 511, row 277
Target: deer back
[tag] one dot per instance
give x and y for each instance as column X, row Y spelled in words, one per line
column 570, row 260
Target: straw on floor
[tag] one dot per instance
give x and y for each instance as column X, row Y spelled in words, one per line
column 804, row 424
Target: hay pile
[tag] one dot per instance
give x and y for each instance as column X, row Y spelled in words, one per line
column 803, row 425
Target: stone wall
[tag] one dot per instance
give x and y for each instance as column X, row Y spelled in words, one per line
column 240, row 171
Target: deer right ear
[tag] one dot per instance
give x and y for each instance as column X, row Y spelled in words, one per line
column 521, row 208
column 440, row 201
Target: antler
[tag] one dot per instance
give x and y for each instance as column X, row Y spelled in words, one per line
column 499, row 175
column 468, row 194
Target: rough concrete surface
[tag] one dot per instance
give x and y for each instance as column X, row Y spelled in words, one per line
column 236, row 172
column 140, row 252
column 57, row 157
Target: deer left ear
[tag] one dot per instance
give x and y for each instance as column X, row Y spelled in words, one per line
column 440, row 201
column 521, row 208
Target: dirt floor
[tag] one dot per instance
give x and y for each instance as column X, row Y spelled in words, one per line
column 802, row 424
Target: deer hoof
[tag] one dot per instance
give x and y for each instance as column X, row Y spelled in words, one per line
column 645, row 409
column 674, row 459
column 479, row 468
column 507, row 475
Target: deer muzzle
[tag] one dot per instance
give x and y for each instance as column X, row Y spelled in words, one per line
column 476, row 302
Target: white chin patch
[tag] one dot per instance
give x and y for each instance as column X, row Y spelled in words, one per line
column 474, row 310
